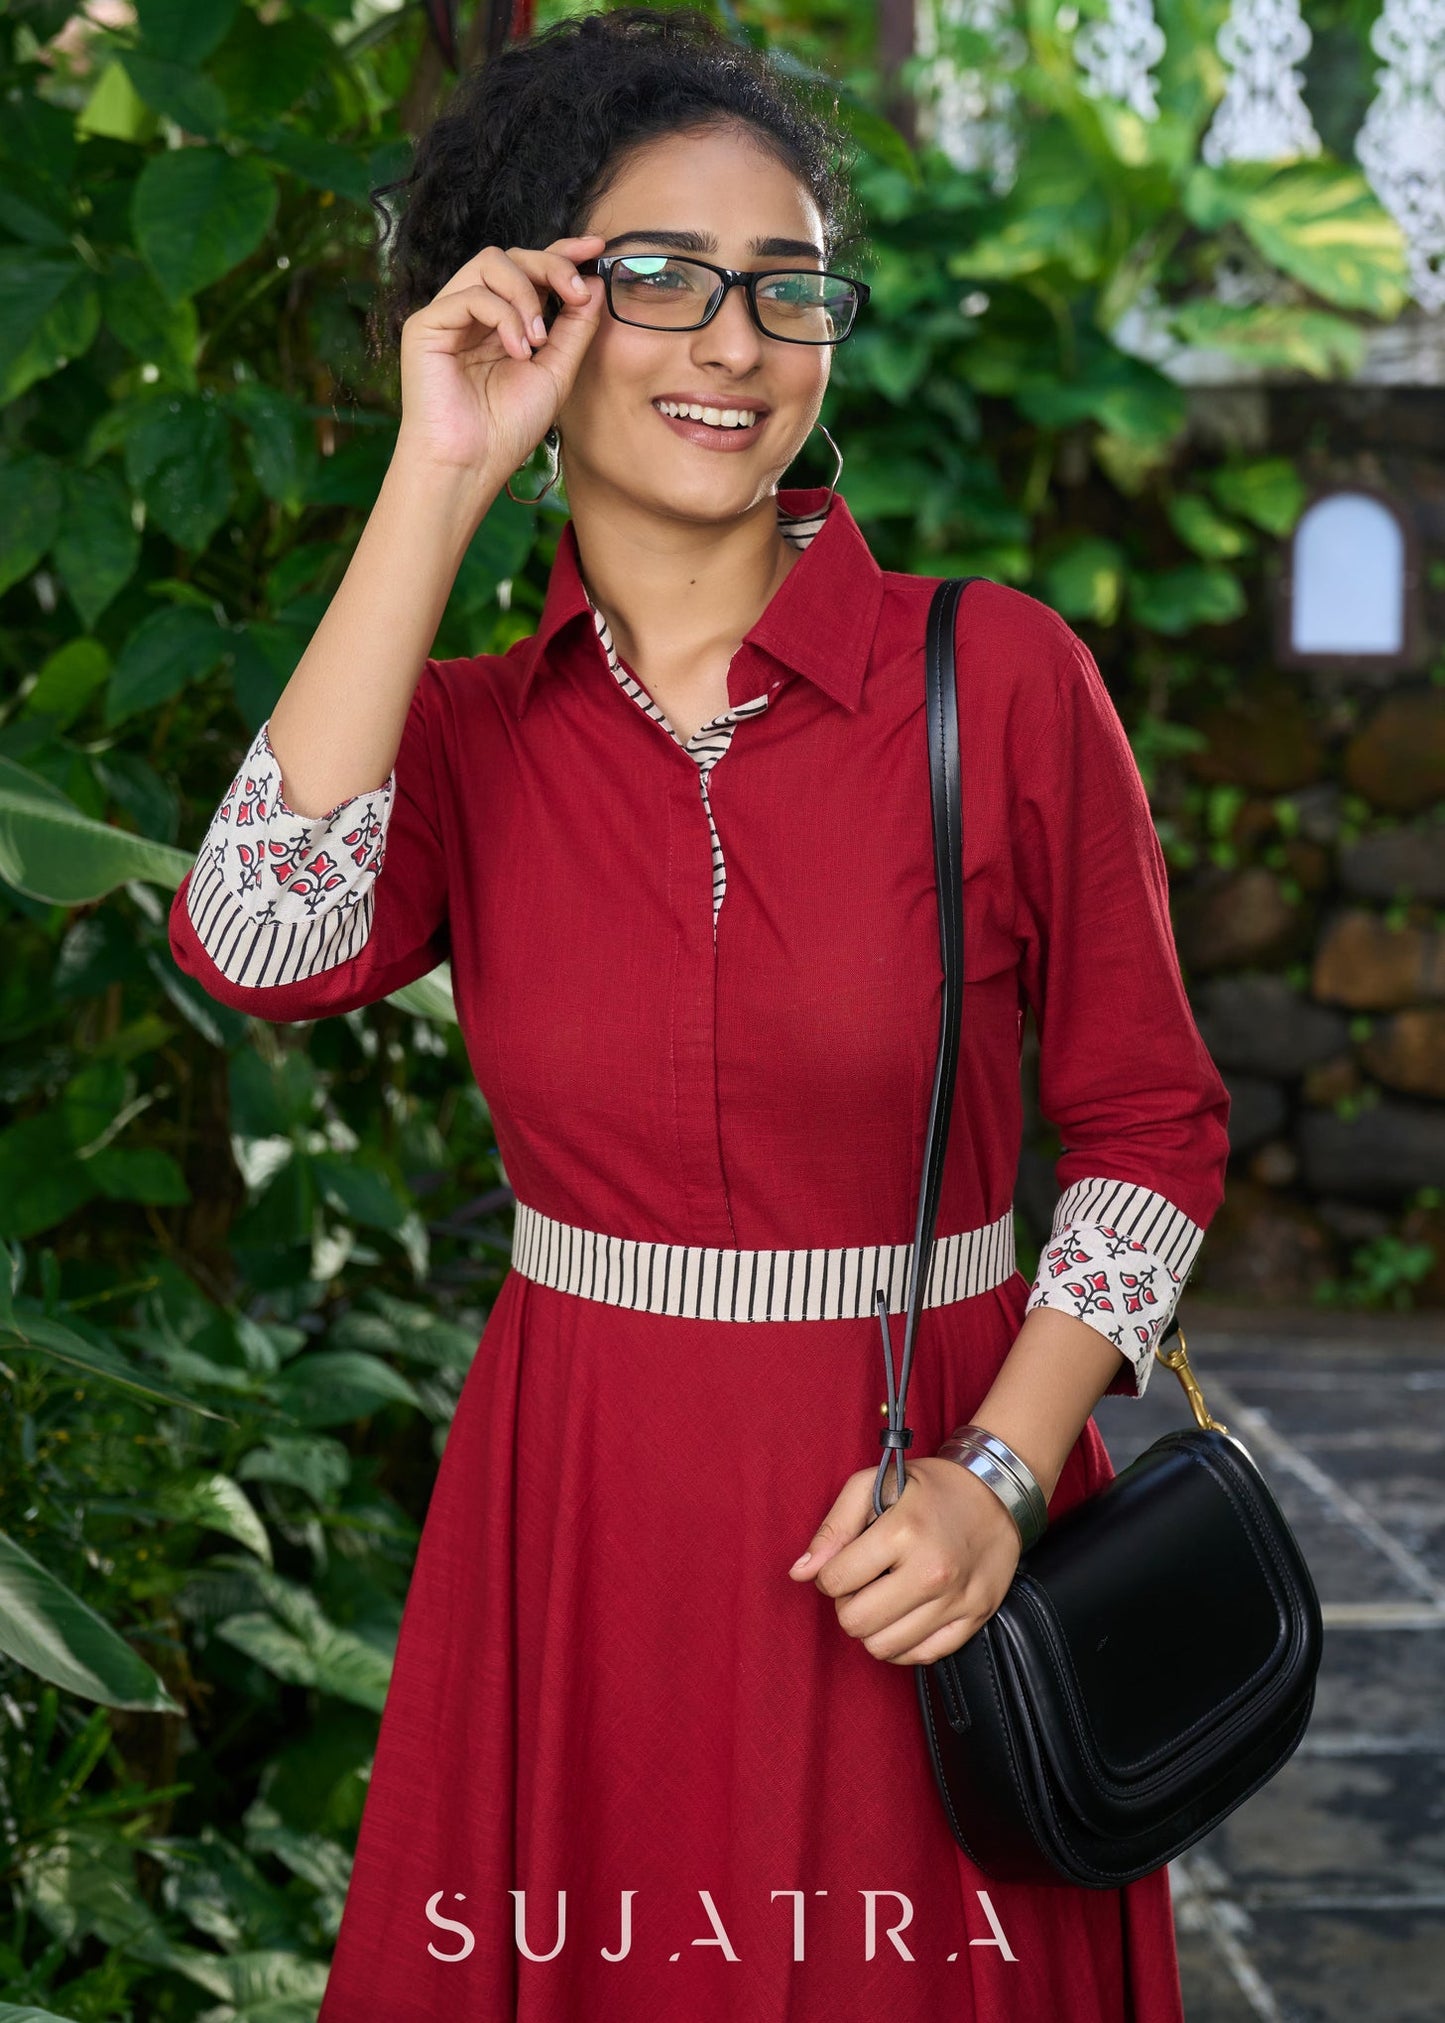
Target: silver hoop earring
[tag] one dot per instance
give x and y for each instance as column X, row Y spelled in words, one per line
column 838, row 467
column 554, row 444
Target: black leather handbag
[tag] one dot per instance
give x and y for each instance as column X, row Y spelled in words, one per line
column 1153, row 1662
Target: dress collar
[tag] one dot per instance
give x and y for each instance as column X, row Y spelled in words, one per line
column 819, row 622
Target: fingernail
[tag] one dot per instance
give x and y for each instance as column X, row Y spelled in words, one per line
column 799, row 1564
column 539, row 328
column 579, row 286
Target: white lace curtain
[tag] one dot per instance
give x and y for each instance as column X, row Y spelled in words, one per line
column 970, row 109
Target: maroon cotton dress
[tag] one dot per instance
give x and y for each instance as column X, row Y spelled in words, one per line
column 699, row 987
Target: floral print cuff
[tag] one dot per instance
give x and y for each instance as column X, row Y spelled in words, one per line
column 1117, row 1257
column 276, row 895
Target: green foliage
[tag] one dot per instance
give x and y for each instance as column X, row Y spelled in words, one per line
column 1383, row 1274
column 245, row 1267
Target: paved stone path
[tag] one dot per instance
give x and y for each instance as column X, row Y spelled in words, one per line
column 1323, row 1897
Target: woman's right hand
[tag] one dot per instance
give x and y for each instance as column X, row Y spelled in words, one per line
column 479, row 389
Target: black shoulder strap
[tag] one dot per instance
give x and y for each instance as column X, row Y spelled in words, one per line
column 946, row 780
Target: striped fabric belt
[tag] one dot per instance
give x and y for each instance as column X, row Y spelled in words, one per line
column 754, row 1285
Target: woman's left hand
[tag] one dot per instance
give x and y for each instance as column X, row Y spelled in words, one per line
column 915, row 1583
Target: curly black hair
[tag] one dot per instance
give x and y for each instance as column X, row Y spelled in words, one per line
column 530, row 140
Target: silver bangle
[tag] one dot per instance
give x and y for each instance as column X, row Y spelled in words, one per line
column 977, row 1438
column 1007, row 1474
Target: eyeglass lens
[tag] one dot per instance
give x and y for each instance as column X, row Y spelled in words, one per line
column 671, row 294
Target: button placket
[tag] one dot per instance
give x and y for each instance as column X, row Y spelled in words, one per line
column 702, row 1178
column 713, row 739
column 706, row 746
column 702, row 1183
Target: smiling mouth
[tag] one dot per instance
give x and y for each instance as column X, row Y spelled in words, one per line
column 732, row 420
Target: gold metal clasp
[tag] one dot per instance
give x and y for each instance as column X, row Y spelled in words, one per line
column 1177, row 1360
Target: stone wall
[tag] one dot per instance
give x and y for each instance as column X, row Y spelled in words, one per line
column 1316, row 959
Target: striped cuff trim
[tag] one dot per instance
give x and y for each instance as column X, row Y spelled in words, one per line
column 1150, row 1219
column 262, row 952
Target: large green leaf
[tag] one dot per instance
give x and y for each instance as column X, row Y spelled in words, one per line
column 1318, row 221
column 149, row 325
column 32, row 208
column 49, row 313
column 1272, row 335
column 400, row 1327
column 27, row 1329
column 330, row 1387
column 97, row 548
column 52, row 852
column 272, row 1100
column 430, row 997
column 41, row 1180
column 266, row 656
column 168, row 650
column 313, row 1462
column 267, row 1985
column 115, row 108
column 218, row 1503
column 10, row 2014
column 1027, row 243
column 41, row 135
column 81, row 1883
column 184, row 31
column 361, row 1193
column 277, row 441
column 151, row 802
column 1123, row 394
column 1268, row 491
column 298, row 1643
column 177, row 457
column 139, row 1173
column 1176, row 600
column 52, row 1163
column 1085, row 580
column 31, row 491
column 338, row 1663
column 198, row 212
column 267, row 66
column 1206, row 531
column 67, row 681
column 323, row 164
column 49, row 1630
column 195, row 102
column 91, row 1100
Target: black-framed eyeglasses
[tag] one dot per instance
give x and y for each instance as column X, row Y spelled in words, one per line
column 664, row 291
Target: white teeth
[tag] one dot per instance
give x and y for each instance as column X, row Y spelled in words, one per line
column 717, row 417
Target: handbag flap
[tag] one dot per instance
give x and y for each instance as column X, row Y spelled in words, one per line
column 1153, row 1620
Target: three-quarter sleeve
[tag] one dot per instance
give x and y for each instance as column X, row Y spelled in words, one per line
column 294, row 916
column 1124, row 1075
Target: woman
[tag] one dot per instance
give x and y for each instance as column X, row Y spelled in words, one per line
column 635, row 1760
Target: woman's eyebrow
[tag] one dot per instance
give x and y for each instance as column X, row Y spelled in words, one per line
column 704, row 242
